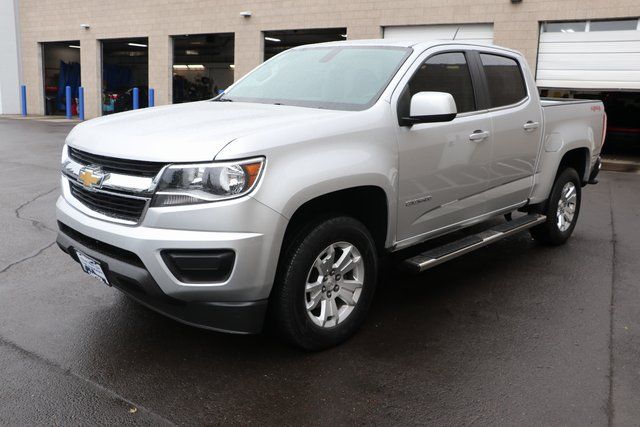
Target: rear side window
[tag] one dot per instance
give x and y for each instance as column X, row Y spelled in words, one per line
column 446, row 72
column 506, row 84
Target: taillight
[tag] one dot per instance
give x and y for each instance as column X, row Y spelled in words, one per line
column 604, row 129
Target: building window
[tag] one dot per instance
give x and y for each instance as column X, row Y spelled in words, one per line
column 564, row 27
column 617, row 25
column 589, row 26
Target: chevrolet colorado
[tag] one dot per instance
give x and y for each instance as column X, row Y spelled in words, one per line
column 280, row 198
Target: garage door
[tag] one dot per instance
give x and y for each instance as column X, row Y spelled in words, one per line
column 476, row 33
column 589, row 55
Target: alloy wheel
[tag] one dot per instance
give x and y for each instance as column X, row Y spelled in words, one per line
column 334, row 284
column 566, row 206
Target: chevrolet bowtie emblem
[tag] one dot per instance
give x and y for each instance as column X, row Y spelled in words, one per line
column 91, row 177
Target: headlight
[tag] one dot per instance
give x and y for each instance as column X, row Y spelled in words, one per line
column 206, row 182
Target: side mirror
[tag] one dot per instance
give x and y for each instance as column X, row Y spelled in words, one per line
column 431, row 107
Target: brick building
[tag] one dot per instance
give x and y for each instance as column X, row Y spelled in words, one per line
column 187, row 49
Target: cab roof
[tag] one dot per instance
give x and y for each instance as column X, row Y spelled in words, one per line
column 417, row 44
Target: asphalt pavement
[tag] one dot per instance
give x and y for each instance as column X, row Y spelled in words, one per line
column 513, row 334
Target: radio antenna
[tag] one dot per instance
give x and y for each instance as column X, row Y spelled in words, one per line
column 456, row 34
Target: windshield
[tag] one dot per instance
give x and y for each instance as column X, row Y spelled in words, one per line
column 337, row 78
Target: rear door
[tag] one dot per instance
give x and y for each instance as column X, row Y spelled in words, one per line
column 443, row 169
column 516, row 117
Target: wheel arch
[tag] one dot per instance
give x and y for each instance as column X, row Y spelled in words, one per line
column 368, row 204
column 579, row 159
column 555, row 158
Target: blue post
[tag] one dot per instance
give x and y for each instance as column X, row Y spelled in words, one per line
column 23, row 99
column 136, row 98
column 67, row 95
column 81, row 103
column 152, row 98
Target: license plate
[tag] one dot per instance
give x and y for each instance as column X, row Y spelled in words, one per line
column 91, row 267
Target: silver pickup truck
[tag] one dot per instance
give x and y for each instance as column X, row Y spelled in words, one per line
column 278, row 201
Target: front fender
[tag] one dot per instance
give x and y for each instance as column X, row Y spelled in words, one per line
column 306, row 160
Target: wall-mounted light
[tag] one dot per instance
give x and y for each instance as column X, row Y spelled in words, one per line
column 232, row 66
column 516, row 1
column 344, row 36
column 246, row 14
column 85, row 26
column 272, row 39
column 137, row 44
column 73, row 46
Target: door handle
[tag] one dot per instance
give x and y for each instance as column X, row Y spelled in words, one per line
column 531, row 126
column 479, row 135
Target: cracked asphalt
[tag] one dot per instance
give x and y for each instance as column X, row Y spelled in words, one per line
column 512, row 334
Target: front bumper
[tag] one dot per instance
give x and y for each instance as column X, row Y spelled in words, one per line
column 132, row 257
column 130, row 277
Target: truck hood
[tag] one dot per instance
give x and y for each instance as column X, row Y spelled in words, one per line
column 189, row 132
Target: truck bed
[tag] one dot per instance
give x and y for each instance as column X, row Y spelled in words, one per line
column 569, row 121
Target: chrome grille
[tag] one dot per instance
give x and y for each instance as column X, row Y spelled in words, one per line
column 116, row 165
column 120, row 206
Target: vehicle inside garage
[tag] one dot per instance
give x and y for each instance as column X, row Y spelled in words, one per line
column 61, row 68
column 203, row 65
column 279, row 41
column 125, row 66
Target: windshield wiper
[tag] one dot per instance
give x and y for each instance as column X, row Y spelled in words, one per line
column 224, row 100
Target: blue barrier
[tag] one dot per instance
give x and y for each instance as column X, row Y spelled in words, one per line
column 136, row 98
column 81, row 103
column 67, row 96
column 23, row 100
column 152, row 97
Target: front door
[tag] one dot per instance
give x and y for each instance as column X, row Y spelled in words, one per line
column 443, row 167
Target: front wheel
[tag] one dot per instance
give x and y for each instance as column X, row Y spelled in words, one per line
column 325, row 283
column 561, row 210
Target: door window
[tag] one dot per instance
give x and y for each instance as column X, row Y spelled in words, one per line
column 446, row 72
column 504, row 78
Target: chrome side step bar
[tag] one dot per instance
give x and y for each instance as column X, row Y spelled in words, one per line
column 438, row 255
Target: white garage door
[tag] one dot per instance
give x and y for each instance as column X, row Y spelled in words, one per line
column 476, row 33
column 589, row 55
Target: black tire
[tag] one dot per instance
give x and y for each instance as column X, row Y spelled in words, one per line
column 549, row 233
column 288, row 311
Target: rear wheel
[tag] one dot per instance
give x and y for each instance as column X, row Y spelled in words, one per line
column 561, row 210
column 326, row 281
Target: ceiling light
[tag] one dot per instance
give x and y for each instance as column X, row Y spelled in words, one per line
column 232, row 66
column 272, row 39
column 191, row 52
column 196, row 67
column 74, row 46
column 137, row 44
column 180, row 67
